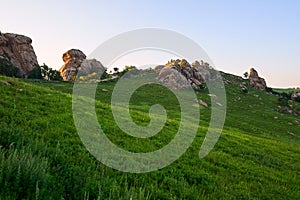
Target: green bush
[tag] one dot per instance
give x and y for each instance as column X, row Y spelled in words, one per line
column 283, row 101
column 50, row 74
column 7, row 69
column 35, row 73
column 44, row 72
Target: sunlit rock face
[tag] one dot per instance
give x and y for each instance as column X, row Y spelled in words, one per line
column 19, row 51
column 76, row 62
column 73, row 59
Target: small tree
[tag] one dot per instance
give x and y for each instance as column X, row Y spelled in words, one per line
column 50, row 74
column 7, row 69
column 116, row 70
column 45, row 72
column 54, row 75
column 35, row 73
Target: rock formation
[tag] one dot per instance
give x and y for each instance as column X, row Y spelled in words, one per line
column 295, row 96
column 75, row 61
column 256, row 81
column 179, row 74
column 19, row 51
column 170, row 77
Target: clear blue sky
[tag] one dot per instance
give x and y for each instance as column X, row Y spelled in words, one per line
column 236, row 34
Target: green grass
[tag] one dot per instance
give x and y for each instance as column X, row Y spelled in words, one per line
column 42, row 156
column 282, row 90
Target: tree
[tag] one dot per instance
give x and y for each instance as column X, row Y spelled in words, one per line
column 7, row 68
column 54, row 75
column 246, row 74
column 50, row 74
column 45, row 72
column 116, row 70
column 35, row 73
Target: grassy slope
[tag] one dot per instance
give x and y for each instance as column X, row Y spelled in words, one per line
column 42, row 156
column 281, row 90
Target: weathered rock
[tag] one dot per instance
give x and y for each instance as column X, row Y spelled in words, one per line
column 158, row 68
column 89, row 66
column 295, row 96
column 5, row 83
column 256, row 81
column 202, row 71
column 213, row 96
column 73, row 59
column 76, row 62
column 202, row 103
column 243, row 85
column 73, row 54
column 19, row 51
column 194, row 75
column 173, row 79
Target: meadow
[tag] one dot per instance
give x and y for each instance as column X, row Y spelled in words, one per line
column 42, row 156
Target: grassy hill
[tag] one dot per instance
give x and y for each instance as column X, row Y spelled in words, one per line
column 281, row 90
column 42, row 156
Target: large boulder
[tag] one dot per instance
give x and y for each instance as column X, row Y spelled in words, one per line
column 90, row 66
column 73, row 54
column 256, row 81
column 19, row 51
column 73, row 59
column 170, row 77
column 295, row 96
column 76, row 62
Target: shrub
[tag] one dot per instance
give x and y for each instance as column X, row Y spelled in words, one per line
column 45, row 72
column 7, row 69
column 35, row 73
column 270, row 90
column 50, row 74
column 283, row 101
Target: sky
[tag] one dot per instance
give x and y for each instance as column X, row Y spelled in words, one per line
column 236, row 34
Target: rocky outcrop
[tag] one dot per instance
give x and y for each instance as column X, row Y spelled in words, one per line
column 19, row 51
column 90, row 66
column 170, row 77
column 295, row 96
column 256, row 81
column 75, row 61
column 179, row 74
